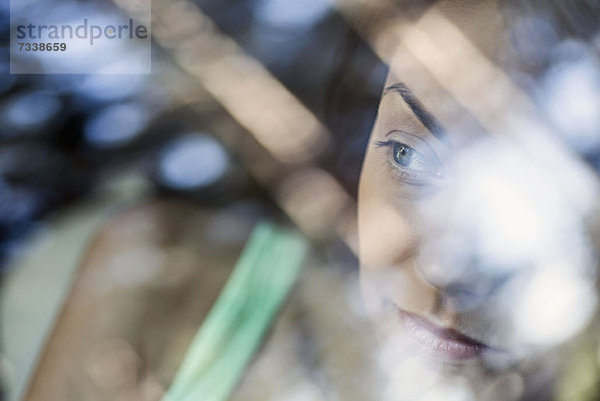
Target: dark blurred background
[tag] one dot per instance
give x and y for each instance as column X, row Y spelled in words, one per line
column 63, row 138
column 63, row 134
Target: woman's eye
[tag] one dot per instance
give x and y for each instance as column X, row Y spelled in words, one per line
column 412, row 166
column 408, row 157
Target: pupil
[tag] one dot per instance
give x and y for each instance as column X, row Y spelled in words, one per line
column 402, row 154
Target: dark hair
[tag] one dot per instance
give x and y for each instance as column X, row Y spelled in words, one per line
column 351, row 103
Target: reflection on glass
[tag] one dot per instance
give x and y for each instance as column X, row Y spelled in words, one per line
column 193, row 161
column 30, row 110
column 116, row 125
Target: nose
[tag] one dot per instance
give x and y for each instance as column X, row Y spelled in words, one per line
column 462, row 276
column 488, row 225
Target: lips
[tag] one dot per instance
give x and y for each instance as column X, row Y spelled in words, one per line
column 443, row 343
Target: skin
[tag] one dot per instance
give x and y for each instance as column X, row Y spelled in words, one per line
column 393, row 231
column 417, row 257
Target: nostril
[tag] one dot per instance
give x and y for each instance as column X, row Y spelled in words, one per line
column 467, row 283
column 470, row 292
column 459, row 298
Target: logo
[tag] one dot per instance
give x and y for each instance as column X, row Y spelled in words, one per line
column 80, row 38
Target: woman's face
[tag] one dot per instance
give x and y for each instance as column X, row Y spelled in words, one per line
column 474, row 251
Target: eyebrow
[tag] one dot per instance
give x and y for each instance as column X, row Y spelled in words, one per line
column 426, row 118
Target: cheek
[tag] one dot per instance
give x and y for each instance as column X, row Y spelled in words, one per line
column 386, row 238
column 387, row 234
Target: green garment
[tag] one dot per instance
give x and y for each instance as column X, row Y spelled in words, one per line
column 234, row 328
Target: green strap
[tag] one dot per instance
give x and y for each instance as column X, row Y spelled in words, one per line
column 235, row 326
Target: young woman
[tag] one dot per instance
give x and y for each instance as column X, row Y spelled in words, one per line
column 476, row 219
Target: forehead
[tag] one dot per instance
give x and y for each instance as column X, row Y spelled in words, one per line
column 454, row 59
